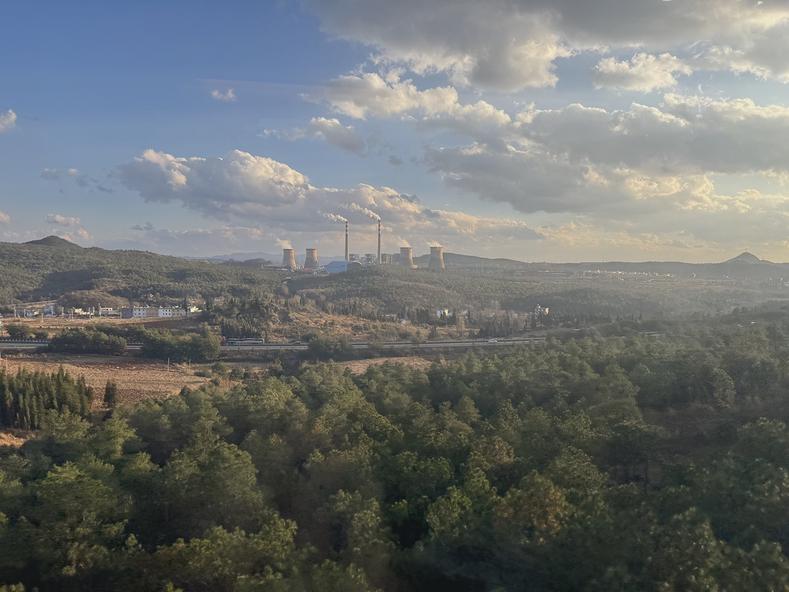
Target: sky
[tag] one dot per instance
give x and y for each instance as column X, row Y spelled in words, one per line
column 540, row 130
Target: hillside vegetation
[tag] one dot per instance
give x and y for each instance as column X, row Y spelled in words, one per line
column 53, row 268
column 394, row 290
column 600, row 465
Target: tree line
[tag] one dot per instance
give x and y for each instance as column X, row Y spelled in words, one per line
column 26, row 397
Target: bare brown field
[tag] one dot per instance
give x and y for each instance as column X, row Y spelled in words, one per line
column 136, row 379
column 361, row 366
column 59, row 323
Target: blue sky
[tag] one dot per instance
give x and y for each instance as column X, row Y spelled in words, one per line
column 562, row 138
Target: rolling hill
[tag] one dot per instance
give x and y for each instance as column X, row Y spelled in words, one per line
column 52, row 268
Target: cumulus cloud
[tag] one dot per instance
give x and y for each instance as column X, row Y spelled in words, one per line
column 68, row 227
column 642, row 73
column 684, row 134
column 226, row 96
column 4, row 218
column 256, row 188
column 509, row 45
column 329, row 130
column 62, row 220
column 337, row 134
column 7, row 121
column 370, row 93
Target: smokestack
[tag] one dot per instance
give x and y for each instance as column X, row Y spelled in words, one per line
column 379, row 241
column 407, row 257
column 311, row 260
column 347, row 255
column 289, row 259
column 437, row 259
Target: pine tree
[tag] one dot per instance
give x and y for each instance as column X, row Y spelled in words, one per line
column 111, row 395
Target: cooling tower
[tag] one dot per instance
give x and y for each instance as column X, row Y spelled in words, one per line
column 436, row 259
column 289, row 259
column 311, row 260
column 347, row 256
column 407, row 257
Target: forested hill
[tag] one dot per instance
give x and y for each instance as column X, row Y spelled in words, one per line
column 745, row 266
column 53, row 267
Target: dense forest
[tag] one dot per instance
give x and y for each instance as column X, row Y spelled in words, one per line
column 603, row 464
column 53, row 268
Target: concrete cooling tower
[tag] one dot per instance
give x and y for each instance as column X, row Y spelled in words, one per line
column 407, row 257
column 311, row 262
column 436, row 259
column 289, row 259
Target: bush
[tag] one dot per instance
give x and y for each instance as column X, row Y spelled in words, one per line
column 80, row 341
column 195, row 347
column 19, row 331
column 329, row 347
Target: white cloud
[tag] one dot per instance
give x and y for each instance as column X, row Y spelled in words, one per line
column 62, row 220
column 226, row 96
column 336, row 134
column 7, row 121
column 684, row 135
column 514, row 44
column 642, row 73
column 247, row 187
column 4, row 218
column 329, row 130
column 369, row 93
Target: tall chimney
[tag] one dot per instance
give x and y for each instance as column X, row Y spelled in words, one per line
column 311, row 260
column 289, row 259
column 379, row 241
column 436, row 259
column 347, row 255
column 407, row 257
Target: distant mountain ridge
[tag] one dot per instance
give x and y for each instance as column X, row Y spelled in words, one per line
column 747, row 258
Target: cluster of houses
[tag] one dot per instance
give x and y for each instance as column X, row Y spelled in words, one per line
column 131, row 312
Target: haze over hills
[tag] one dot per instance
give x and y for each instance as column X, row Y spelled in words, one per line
column 52, row 268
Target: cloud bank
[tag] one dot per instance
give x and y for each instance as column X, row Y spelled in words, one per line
column 248, row 187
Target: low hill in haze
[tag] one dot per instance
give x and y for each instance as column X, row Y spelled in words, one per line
column 51, row 267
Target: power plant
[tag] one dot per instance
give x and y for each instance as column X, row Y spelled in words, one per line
column 289, row 259
column 407, row 257
column 436, row 259
column 404, row 259
column 311, row 262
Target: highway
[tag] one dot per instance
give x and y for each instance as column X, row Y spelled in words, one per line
column 394, row 345
column 34, row 344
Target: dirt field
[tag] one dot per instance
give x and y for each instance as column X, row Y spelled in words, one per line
column 360, row 366
column 136, row 379
column 57, row 324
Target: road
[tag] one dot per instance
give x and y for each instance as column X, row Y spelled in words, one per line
column 395, row 345
column 32, row 344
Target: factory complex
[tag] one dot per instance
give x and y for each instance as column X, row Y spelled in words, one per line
column 404, row 258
